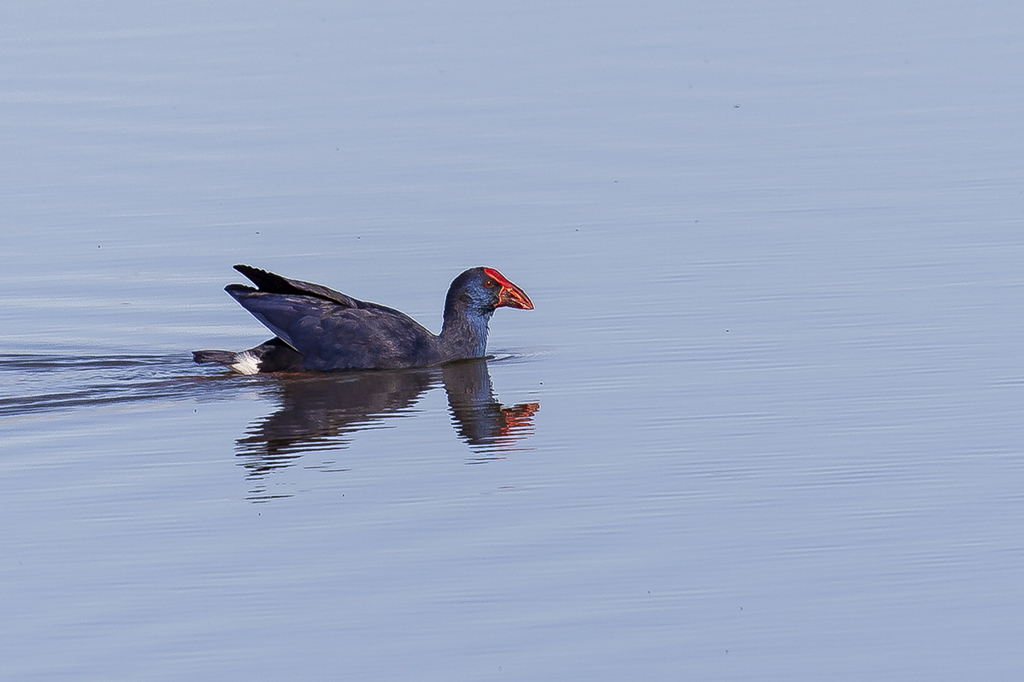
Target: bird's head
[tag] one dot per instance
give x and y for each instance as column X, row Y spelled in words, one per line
column 484, row 289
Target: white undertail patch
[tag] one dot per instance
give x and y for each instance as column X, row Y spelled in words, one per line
column 246, row 363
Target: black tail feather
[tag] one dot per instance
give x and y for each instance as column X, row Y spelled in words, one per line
column 219, row 357
column 273, row 356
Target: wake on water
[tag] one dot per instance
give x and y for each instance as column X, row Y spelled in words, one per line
column 36, row 383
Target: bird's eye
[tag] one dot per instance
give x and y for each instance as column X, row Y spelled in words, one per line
column 489, row 283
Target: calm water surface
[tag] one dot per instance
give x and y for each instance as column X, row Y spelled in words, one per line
column 764, row 422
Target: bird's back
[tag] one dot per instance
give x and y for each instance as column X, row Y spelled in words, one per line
column 333, row 335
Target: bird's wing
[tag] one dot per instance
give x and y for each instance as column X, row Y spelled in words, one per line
column 276, row 284
column 335, row 336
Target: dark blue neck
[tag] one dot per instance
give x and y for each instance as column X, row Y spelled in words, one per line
column 464, row 334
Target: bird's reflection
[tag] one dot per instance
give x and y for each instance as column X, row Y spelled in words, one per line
column 324, row 411
column 482, row 421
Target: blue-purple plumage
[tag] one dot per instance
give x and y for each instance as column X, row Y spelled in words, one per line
column 322, row 329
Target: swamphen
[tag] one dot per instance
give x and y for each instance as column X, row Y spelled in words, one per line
column 321, row 329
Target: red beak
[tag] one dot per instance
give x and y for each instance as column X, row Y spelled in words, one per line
column 514, row 297
column 510, row 295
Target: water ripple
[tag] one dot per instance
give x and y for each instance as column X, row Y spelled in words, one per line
column 36, row 383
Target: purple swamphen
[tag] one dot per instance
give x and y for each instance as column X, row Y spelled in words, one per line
column 321, row 329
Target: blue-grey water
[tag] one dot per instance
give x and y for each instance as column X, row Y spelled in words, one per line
column 764, row 422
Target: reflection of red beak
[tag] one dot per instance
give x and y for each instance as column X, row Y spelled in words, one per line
column 516, row 419
column 510, row 295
